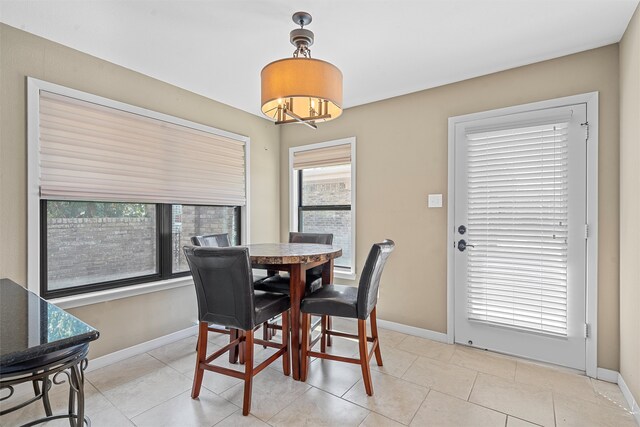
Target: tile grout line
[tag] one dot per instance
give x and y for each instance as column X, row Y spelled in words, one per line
column 135, row 379
column 472, row 386
column 290, row 403
column 229, row 416
column 363, row 407
column 553, row 405
column 409, row 383
column 420, row 406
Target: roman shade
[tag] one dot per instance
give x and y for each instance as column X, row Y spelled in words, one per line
column 518, row 221
column 321, row 157
column 94, row 152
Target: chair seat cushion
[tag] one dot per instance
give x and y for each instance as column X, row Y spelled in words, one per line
column 332, row 300
column 269, row 304
column 280, row 283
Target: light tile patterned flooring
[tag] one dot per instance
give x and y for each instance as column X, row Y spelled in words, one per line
column 422, row 383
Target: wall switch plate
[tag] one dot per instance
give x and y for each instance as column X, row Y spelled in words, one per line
column 435, row 200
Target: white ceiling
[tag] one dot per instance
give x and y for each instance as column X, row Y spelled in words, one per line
column 384, row 48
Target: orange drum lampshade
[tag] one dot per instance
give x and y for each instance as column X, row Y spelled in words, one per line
column 301, row 89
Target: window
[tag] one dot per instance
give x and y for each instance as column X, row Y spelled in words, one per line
column 88, row 243
column 99, row 245
column 323, row 177
column 187, row 221
column 116, row 191
column 325, row 206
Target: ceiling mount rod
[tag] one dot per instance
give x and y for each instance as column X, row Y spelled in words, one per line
column 298, row 119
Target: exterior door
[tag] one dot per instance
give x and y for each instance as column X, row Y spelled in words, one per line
column 520, row 234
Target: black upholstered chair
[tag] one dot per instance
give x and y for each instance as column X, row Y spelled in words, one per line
column 212, row 240
column 226, row 297
column 280, row 282
column 218, row 241
column 356, row 303
column 222, row 241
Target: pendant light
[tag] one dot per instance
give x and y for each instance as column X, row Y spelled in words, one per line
column 301, row 89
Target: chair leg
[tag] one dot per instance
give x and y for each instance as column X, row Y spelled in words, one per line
column 323, row 334
column 286, row 363
column 234, row 351
column 201, row 356
column 374, row 334
column 329, row 327
column 265, row 333
column 364, row 356
column 241, row 348
column 304, row 353
column 248, row 371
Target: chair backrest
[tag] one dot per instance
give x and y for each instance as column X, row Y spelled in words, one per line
column 319, row 238
column 224, row 285
column 370, row 277
column 212, row 240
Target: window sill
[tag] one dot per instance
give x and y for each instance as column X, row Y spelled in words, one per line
column 344, row 274
column 118, row 293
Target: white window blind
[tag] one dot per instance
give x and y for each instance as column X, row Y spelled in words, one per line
column 517, row 220
column 94, row 152
column 322, row 157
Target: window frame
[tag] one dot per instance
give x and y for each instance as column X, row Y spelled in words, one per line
column 35, row 248
column 295, row 199
column 164, row 255
column 317, row 208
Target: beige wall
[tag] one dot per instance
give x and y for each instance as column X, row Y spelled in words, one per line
column 130, row 321
column 630, row 206
column 402, row 157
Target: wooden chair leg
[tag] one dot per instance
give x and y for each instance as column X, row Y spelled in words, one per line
column 286, row 363
column 304, row 353
column 248, row 371
column 364, row 356
column 374, row 334
column 233, row 352
column 241, row 348
column 323, row 334
column 201, row 356
column 329, row 327
column 266, row 335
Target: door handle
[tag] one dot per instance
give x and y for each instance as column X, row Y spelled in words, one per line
column 462, row 245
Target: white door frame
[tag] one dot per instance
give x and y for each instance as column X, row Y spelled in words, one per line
column 591, row 100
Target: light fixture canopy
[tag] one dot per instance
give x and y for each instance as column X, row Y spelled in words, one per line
column 301, row 89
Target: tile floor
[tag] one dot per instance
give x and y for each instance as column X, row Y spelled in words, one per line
column 422, row 383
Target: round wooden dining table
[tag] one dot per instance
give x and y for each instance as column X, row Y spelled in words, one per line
column 295, row 258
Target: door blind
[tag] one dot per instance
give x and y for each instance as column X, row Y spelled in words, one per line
column 517, row 220
column 94, row 152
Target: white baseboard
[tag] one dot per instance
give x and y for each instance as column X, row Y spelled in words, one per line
column 635, row 409
column 412, row 330
column 607, row 375
column 125, row 353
